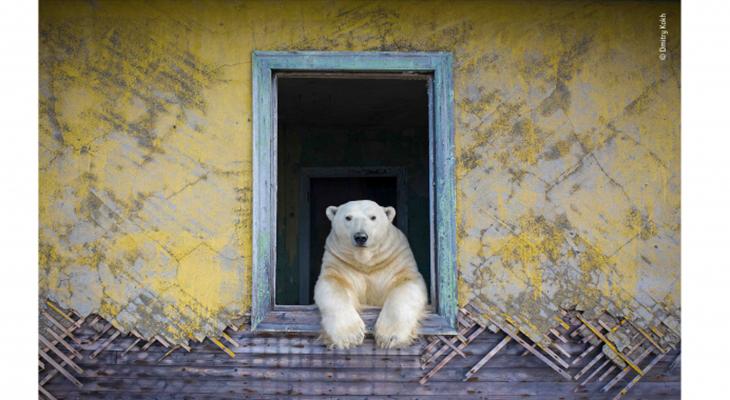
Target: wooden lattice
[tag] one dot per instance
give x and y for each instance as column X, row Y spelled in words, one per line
column 446, row 348
column 618, row 349
column 60, row 343
column 598, row 353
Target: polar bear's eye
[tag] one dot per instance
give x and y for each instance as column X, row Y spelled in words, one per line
column 349, row 218
column 372, row 218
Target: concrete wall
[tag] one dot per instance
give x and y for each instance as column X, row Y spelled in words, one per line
column 567, row 134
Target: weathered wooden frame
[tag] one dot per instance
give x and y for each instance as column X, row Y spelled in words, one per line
column 265, row 316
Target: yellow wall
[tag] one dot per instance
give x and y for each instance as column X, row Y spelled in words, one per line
column 567, row 134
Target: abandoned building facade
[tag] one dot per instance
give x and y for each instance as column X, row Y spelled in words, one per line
column 188, row 151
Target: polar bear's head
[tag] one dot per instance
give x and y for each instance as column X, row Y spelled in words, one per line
column 362, row 223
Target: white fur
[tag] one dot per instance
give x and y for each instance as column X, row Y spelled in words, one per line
column 383, row 273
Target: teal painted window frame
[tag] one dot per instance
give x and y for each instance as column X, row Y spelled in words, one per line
column 265, row 314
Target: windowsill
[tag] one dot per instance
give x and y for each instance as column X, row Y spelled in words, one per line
column 305, row 319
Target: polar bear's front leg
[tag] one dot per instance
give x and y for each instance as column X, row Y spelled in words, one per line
column 398, row 320
column 342, row 326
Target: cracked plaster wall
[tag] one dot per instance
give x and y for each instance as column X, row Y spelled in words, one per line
column 567, row 146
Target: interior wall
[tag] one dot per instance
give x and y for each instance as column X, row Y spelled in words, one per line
column 567, row 151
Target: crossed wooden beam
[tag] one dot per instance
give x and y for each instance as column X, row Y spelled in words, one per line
column 633, row 359
column 60, row 342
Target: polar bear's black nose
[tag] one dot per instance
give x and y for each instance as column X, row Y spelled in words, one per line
column 360, row 238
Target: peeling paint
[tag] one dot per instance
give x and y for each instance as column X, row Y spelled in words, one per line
column 567, row 145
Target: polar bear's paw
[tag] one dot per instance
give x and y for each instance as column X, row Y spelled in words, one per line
column 393, row 335
column 343, row 332
column 393, row 341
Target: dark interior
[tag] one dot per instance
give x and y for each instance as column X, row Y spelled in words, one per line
column 349, row 130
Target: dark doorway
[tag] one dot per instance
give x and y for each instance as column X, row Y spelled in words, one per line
column 342, row 138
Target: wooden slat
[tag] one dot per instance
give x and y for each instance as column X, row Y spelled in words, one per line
column 605, row 374
column 59, row 312
column 428, row 358
column 638, row 377
column 131, row 346
column 65, row 331
column 168, row 353
column 53, row 372
column 162, row 341
column 644, row 392
column 583, row 354
column 554, row 356
column 230, row 339
column 102, row 332
column 561, row 350
column 244, row 388
column 648, row 337
column 60, row 369
column 275, row 345
column 588, row 366
column 433, row 341
column 532, row 350
column 467, row 322
column 453, row 347
column 610, row 345
column 435, row 355
column 306, row 320
column 605, row 326
column 106, row 343
column 451, row 355
column 60, row 354
column 45, row 392
column 295, row 345
column 625, row 371
column 558, row 335
column 498, row 369
column 65, row 315
column 631, row 351
column 595, row 371
column 487, row 357
column 59, row 340
column 506, row 359
column 223, row 347
column 148, row 344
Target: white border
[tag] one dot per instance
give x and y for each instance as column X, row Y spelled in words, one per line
column 705, row 199
column 19, row 183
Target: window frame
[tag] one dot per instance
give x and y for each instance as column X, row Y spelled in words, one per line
column 266, row 316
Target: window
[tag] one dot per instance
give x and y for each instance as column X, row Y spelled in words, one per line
column 330, row 127
column 343, row 137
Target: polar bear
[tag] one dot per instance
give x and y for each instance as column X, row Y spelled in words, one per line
column 368, row 261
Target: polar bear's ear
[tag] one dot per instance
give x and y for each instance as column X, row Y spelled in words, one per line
column 390, row 213
column 331, row 211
